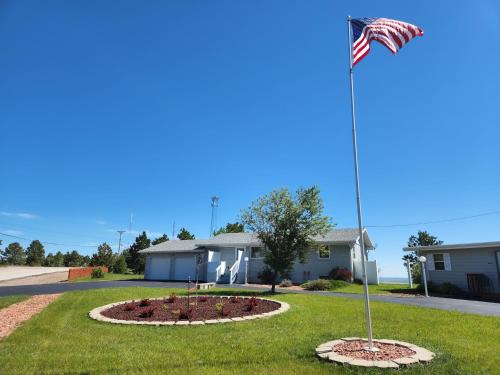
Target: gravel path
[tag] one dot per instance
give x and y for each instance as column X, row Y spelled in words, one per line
column 14, row 315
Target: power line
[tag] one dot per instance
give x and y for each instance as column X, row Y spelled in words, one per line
column 460, row 218
column 47, row 242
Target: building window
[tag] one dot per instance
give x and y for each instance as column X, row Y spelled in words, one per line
column 256, row 252
column 324, row 252
column 439, row 262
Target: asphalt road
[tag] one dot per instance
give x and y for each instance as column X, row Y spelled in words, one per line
column 450, row 304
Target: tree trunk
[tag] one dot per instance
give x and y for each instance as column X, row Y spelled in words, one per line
column 273, row 287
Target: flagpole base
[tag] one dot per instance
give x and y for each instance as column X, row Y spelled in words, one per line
column 372, row 349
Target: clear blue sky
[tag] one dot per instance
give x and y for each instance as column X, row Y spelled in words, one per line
column 108, row 108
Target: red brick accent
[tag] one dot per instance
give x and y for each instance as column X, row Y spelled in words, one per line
column 75, row 273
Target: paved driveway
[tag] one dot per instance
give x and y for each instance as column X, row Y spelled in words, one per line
column 466, row 306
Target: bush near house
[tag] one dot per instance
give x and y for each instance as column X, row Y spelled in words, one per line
column 97, row 273
column 266, row 276
column 286, row 283
column 319, row 284
column 340, row 274
column 337, row 284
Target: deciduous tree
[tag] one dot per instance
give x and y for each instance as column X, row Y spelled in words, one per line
column 286, row 225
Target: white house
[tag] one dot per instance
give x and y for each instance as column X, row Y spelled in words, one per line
column 221, row 259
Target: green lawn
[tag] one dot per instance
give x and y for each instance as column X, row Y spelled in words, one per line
column 63, row 340
column 376, row 289
column 9, row 300
column 109, row 277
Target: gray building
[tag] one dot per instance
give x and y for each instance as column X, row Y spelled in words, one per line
column 229, row 257
column 473, row 267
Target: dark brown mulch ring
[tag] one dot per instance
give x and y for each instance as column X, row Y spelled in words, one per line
column 354, row 349
column 201, row 308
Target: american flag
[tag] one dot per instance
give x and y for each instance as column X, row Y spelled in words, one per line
column 391, row 33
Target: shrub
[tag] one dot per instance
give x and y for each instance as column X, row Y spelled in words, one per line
column 449, row 288
column 358, row 281
column 147, row 313
column 130, row 306
column 234, row 299
column 97, row 273
column 251, row 303
column 219, row 307
column 286, row 283
column 185, row 313
column 266, row 275
column 319, row 284
column 340, row 274
column 120, row 265
column 337, row 284
column 145, row 302
column 172, row 298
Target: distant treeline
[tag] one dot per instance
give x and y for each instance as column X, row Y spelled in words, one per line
column 127, row 261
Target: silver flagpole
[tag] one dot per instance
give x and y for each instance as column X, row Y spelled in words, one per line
column 358, row 200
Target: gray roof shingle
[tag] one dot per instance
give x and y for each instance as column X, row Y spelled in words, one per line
column 347, row 235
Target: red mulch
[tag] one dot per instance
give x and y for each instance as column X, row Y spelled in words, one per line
column 354, row 349
column 201, row 308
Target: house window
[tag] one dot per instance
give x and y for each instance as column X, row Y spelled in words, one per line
column 256, row 252
column 324, row 252
column 439, row 262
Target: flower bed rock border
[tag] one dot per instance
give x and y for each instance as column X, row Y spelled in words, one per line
column 96, row 314
column 326, row 351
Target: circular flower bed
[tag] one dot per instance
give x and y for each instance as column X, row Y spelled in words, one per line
column 194, row 310
column 389, row 353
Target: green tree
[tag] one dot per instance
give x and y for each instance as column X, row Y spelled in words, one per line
column 159, row 240
column 35, row 254
column 286, row 225
column 120, row 264
column 136, row 261
column 73, row 259
column 59, row 259
column 103, row 257
column 423, row 238
column 184, row 234
column 13, row 254
column 230, row 228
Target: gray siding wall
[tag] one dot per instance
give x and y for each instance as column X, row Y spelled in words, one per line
column 464, row 262
column 313, row 268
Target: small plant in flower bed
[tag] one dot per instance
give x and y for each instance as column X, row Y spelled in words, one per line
column 185, row 313
column 251, row 304
column 202, row 299
column 145, row 302
column 172, row 298
column 130, row 306
column 219, row 307
column 234, row 299
column 147, row 313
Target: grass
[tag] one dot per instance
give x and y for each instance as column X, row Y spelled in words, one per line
column 9, row 300
column 63, row 340
column 109, row 277
column 376, row 289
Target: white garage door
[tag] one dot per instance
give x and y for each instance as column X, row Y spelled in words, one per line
column 159, row 267
column 185, row 267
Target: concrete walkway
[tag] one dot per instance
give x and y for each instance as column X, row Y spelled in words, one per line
column 450, row 304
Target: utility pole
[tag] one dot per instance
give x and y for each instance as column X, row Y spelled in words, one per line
column 120, row 232
column 213, row 221
column 173, row 230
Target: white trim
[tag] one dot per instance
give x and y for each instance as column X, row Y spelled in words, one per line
column 447, row 262
column 462, row 246
column 430, row 262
